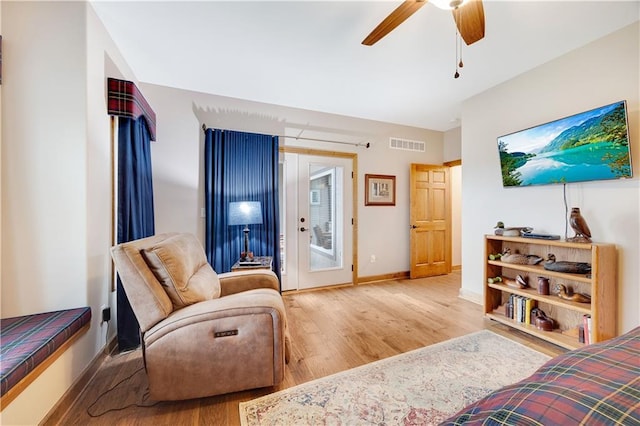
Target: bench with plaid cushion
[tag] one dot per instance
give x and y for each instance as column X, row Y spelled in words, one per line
column 30, row 343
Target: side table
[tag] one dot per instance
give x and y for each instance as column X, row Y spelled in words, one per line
column 259, row 262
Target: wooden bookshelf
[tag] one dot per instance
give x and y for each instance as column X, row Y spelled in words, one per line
column 601, row 284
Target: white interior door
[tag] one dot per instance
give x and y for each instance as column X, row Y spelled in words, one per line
column 317, row 223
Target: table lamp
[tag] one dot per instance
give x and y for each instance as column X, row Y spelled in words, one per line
column 245, row 213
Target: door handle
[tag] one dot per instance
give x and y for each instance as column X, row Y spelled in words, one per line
column 303, row 229
column 413, row 226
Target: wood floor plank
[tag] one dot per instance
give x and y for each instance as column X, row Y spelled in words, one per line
column 332, row 330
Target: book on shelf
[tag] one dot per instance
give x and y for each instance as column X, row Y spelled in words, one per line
column 509, row 309
column 588, row 333
column 530, row 304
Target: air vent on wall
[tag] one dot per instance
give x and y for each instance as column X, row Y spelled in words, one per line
column 407, row 145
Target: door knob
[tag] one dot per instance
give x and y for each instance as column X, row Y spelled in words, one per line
column 413, row 226
column 303, row 229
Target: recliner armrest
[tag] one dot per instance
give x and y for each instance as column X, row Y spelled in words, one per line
column 248, row 303
column 236, row 282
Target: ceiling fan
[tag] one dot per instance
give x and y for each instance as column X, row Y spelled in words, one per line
column 468, row 15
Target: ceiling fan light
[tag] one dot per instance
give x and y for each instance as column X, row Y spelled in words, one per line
column 447, row 4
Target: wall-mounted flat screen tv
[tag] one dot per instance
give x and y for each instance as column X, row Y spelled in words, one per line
column 592, row 145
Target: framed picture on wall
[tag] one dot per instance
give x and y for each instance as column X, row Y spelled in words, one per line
column 379, row 190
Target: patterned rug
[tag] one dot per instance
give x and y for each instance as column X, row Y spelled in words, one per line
column 421, row 387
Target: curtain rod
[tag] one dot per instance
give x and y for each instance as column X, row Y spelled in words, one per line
column 365, row 144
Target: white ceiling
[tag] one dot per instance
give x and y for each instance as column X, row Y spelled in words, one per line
column 308, row 54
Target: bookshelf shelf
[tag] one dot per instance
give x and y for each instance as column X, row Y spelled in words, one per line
column 601, row 284
column 556, row 337
column 584, row 308
column 535, row 269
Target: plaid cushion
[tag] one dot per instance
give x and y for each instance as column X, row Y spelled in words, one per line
column 28, row 340
column 598, row 384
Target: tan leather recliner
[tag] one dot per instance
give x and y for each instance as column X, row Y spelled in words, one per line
column 202, row 333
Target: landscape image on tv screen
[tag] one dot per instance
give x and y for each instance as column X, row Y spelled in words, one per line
column 593, row 145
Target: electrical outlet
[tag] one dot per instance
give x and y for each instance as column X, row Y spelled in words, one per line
column 106, row 313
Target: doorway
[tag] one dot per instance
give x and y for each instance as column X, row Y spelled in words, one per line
column 317, row 217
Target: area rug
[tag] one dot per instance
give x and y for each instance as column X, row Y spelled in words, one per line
column 421, row 387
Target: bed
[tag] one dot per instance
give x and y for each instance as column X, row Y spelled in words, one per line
column 598, row 384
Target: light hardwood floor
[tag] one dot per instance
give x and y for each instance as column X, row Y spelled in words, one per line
column 331, row 329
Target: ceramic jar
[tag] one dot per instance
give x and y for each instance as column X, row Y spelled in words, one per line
column 543, row 285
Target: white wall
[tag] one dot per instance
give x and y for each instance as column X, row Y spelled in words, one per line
column 177, row 163
column 44, row 157
column 453, row 152
column 55, row 180
column 453, row 144
column 602, row 72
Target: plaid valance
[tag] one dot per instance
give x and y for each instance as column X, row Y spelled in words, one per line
column 125, row 100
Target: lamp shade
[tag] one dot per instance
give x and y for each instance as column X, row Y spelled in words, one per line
column 245, row 213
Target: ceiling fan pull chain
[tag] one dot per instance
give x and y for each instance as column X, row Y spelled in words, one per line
column 459, row 63
column 460, row 36
column 457, row 74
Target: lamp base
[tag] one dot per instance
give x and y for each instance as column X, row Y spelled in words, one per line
column 246, row 254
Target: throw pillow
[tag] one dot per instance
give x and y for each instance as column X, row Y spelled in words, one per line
column 180, row 265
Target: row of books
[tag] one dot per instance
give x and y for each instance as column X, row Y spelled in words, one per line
column 518, row 308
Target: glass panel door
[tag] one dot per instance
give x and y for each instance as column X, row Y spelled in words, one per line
column 316, row 223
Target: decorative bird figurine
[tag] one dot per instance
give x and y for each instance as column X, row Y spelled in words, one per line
column 520, row 259
column 541, row 320
column 565, row 266
column 565, row 294
column 579, row 226
column 518, row 282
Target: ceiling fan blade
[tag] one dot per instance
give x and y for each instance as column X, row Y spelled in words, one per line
column 396, row 17
column 470, row 21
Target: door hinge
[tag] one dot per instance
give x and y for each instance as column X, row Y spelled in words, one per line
column 351, row 175
column 351, row 268
column 351, row 221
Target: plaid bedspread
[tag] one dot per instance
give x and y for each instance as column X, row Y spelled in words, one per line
column 28, row 340
column 595, row 385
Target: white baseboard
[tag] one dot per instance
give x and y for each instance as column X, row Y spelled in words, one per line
column 470, row 296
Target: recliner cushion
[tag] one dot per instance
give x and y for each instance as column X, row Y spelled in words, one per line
column 180, row 265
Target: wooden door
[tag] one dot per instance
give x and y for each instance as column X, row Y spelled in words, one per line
column 430, row 221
